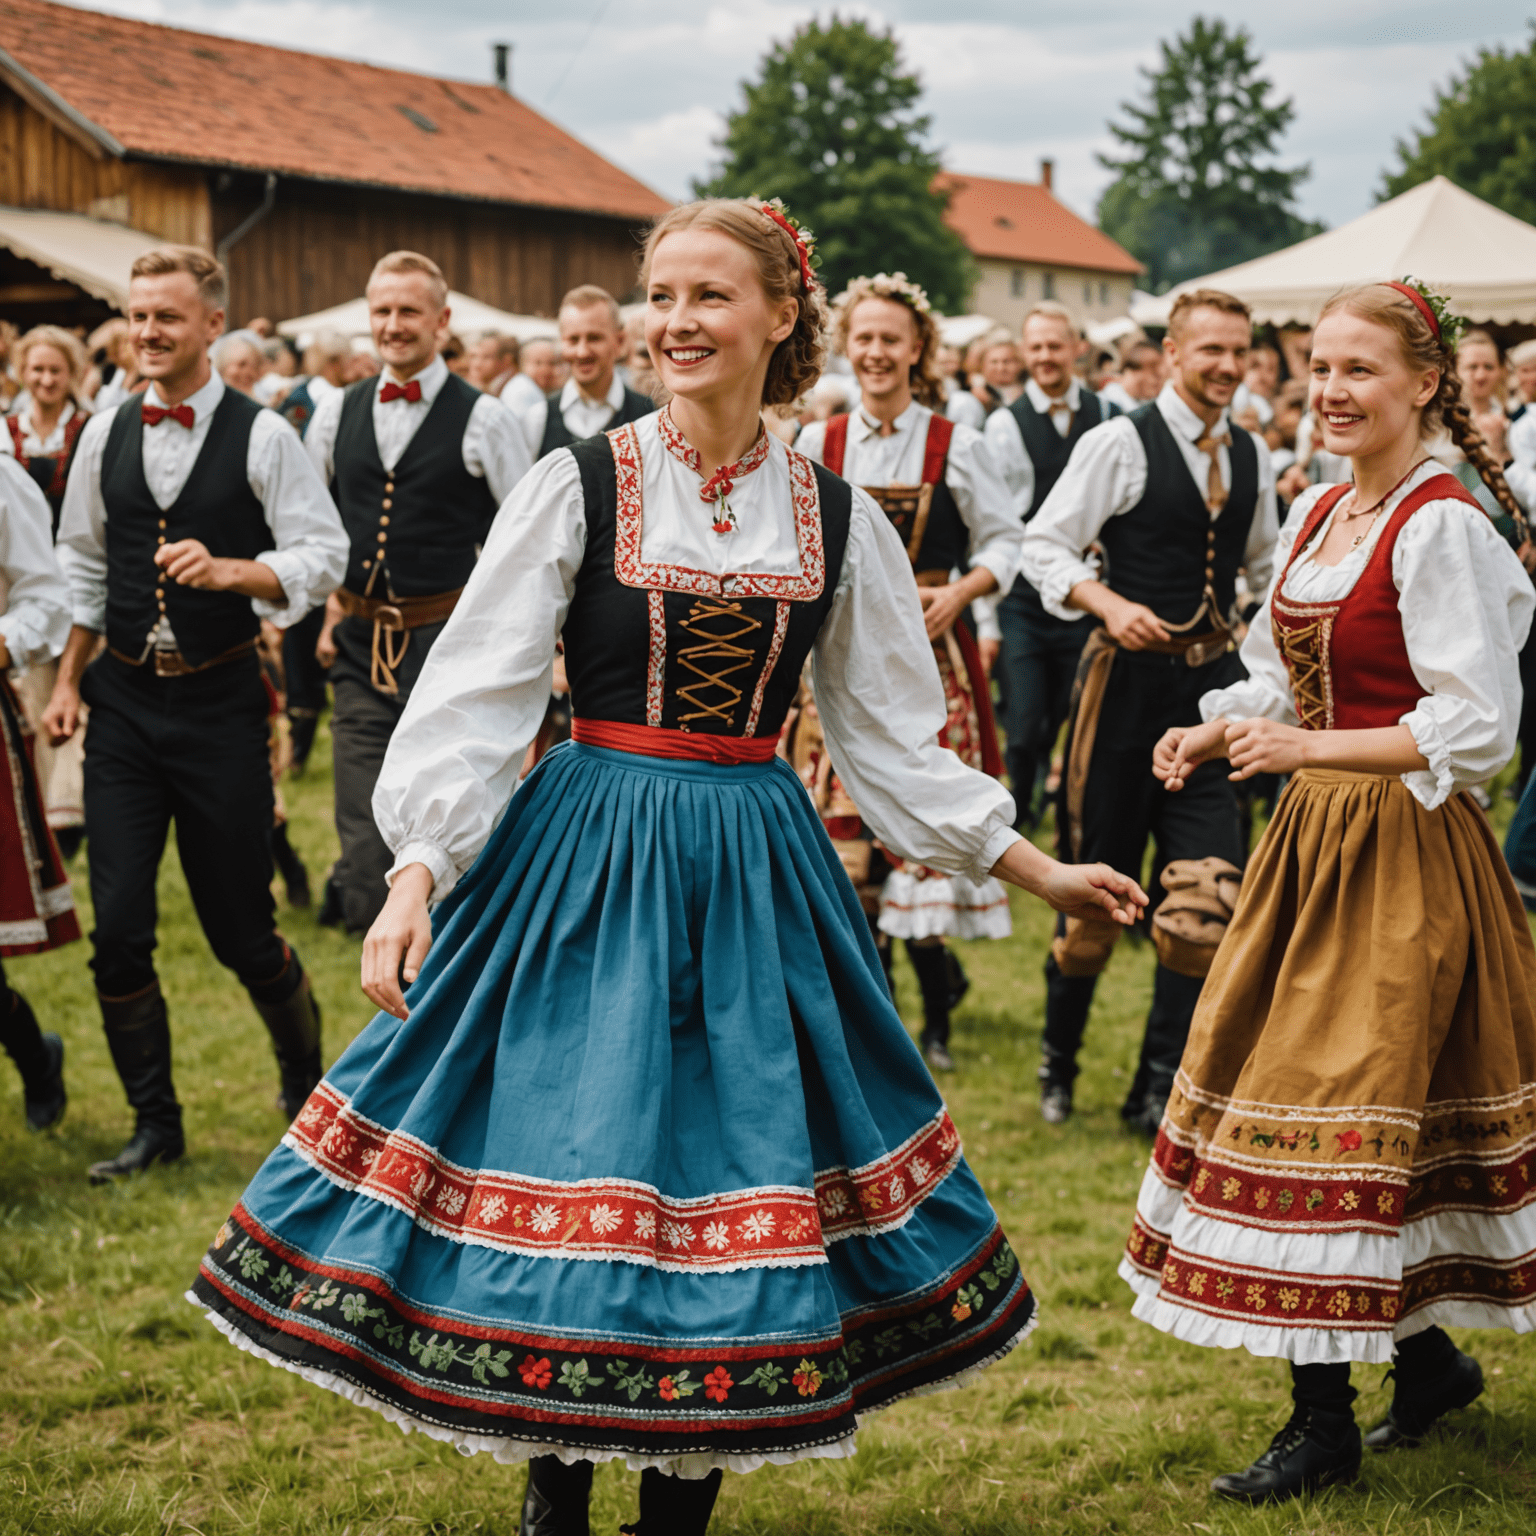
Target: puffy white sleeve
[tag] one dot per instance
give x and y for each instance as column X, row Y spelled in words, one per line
column 1266, row 692
column 1466, row 604
column 966, row 409
column 453, row 760
column 881, row 707
column 35, row 623
column 996, row 530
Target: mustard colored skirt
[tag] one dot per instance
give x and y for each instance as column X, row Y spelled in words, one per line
column 1349, row 1154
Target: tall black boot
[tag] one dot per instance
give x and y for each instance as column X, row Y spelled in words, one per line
column 290, row 866
column 1319, row 1445
column 1162, row 1048
column 38, row 1057
column 288, row 1008
column 928, row 960
column 1431, row 1378
column 302, row 725
column 1067, row 1001
column 675, row 1506
column 557, row 1499
column 139, row 1038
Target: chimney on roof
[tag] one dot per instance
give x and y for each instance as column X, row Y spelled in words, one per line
column 503, row 53
column 1047, row 173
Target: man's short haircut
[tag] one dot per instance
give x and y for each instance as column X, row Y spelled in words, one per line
column 413, row 261
column 1054, row 310
column 1134, row 355
column 541, row 341
column 1205, row 298
column 327, row 347
column 1524, row 353
column 508, row 349
column 589, row 295
column 205, row 270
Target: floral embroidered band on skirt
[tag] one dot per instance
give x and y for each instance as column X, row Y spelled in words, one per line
column 652, row 1172
column 1349, row 1154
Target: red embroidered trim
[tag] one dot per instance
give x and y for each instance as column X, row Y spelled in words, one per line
column 618, row 1218
column 775, row 645
column 684, row 451
column 633, row 571
column 656, row 666
column 695, row 746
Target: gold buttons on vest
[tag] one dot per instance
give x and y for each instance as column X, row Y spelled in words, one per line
column 367, row 564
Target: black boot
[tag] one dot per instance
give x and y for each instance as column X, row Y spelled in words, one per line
column 1320, row 1445
column 139, row 1038
column 302, row 725
column 928, row 960
column 288, row 1008
column 675, row 1506
column 1431, row 1378
column 557, row 1498
column 38, row 1057
column 1162, row 1047
column 290, row 866
column 1067, row 1001
column 954, row 974
column 332, row 913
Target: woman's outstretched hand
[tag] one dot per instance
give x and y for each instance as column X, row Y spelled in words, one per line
column 398, row 941
column 1093, row 892
column 1184, row 747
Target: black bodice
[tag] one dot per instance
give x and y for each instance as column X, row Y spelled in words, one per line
column 558, row 435
column 678, row 648
column 1048, row 450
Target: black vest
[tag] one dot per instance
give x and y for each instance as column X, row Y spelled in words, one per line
column 216, row 506
column 709, row 652
column 1048, row 450
column 424, row 521
column 557, row 434
column 1159, row 550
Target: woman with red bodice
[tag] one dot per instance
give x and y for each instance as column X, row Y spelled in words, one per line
column 1345, row 1167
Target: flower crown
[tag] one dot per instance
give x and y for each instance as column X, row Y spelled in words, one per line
column 1435, row 308
column 805, row 241
column 883, row 285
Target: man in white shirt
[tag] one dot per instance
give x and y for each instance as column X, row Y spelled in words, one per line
column 493, row 362
column 538, row 378
column 1139, row 379
column 1179, row 498
column 1031, row 440
column 595, row 398
column 418, row 460
column 217, row 521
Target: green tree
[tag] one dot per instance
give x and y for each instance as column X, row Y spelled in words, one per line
column 1481, row 134
column 832, row 126
column 1195, row 186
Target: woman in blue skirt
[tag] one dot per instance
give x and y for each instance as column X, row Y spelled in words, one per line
column 647, row 1167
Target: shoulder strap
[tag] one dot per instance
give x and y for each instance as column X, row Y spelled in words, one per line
column 599, row 477
column 941, row 432
column 835, row 445
column 1320, row 509
column 14, row 423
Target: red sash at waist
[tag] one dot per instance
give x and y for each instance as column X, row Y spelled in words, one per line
column 653, row 741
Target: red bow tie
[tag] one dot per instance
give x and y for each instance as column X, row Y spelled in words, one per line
column 411, row 391
column 155, row 414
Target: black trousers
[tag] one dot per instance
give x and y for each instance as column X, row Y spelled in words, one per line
column 192, row 750
column 1038, row 662
column 1124, row 806
column 1527, row 711
column 304, row 674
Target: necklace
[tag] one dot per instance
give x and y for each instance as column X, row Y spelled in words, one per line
column 1374, row 511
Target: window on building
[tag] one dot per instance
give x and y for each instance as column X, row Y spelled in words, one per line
column 1048, row 285
column 1016, row 283
column 1087, row 293
column 1104, row 294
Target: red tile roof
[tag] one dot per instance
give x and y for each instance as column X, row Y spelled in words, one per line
column 167, row 94
column 1022, row 221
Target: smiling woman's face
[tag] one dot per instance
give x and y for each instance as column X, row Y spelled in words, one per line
column 709, row 325
column 1364, row 393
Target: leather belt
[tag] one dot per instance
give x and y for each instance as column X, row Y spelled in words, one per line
column 171, row 663
column 1196, row 650
column 392, row 622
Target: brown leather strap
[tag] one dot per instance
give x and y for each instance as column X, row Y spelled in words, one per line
column 392, row 623
column 171, row 663
column 1083, row 728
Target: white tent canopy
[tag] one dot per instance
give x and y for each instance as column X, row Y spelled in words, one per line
column 93, row 254
column 1482, row 259
column 469, row 317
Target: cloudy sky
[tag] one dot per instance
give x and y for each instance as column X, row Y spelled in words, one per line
column 1008, row 81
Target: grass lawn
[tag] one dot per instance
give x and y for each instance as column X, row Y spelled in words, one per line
column 122, row 1413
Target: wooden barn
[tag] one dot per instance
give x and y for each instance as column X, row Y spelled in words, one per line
column 300, row 170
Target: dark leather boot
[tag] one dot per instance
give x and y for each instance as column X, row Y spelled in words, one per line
column 288, row 1008
column 675, row 1506
column 954, row 973
column 139, row 1038
column 302, row 725
column 291, row 867
column 1422, row 1396
column 1314, row 1450
column 557, row 1498
column 933, row 980
column 38, row 1057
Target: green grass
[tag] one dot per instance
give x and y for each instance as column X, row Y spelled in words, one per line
column 123, row 1414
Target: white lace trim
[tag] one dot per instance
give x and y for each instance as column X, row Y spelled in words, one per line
column 944, row 906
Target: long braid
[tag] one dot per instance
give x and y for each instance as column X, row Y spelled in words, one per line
column 1464, row 433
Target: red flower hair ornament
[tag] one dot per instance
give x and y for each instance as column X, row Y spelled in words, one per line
column 805, row 241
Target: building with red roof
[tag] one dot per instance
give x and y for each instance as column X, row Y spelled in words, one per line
column 1030, row 246
column 300, row 168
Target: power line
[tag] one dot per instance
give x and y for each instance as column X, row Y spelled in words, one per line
column 580, row 49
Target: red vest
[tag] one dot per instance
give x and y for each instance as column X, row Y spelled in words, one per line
column 1347, row 660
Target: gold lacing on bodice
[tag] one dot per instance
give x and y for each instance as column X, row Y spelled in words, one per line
column 718, row 626
column 1305, row 645
column 907, row 507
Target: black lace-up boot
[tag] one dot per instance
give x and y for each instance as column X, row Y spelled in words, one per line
column 1431, row 1378
column 674, row 1506
column 557, row 1499
column 1320, row 1444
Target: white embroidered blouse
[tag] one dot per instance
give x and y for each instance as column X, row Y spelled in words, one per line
column 453, row 761
column 1466, row 604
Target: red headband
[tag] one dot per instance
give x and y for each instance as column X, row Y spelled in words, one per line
column 806, row 276
column 1422, row 303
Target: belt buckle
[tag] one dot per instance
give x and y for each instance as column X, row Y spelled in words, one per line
column 169, row 663
column 388, row 616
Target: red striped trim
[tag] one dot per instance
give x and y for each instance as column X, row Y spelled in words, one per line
column 936, row 451
column 834, row 446
column 654, row 741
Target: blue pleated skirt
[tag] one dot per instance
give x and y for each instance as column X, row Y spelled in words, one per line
column 652, row 1171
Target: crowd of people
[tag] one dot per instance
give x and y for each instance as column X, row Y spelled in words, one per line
column 677, row 667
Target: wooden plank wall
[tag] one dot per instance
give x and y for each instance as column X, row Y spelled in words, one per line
column 42, row 167
column 319, row 243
